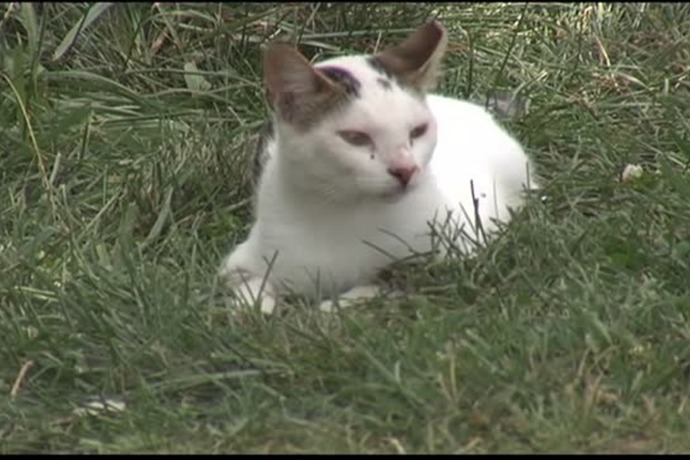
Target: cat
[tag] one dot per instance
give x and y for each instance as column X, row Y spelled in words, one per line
column 360, row 160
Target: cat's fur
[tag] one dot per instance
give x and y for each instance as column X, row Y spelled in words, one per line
column 333, row 209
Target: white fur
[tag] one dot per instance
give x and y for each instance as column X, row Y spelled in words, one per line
column 324, row 206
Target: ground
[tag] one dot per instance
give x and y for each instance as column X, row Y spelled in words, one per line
column 125, row 177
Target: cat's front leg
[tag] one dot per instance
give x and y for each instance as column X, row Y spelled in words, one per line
column 354, row 296
column 247, row 287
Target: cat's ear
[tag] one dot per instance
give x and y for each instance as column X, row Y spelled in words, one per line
column 417, row 60
column 295, row 90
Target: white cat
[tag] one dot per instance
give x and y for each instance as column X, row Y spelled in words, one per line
column 359, row 163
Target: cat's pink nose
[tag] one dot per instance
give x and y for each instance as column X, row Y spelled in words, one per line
column 403, row 173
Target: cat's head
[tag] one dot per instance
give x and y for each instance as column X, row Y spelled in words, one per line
column 357, row 125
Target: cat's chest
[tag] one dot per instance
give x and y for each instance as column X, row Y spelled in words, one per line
column 323, row 237
column 341, row 246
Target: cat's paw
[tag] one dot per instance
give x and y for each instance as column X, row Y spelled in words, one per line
column 355, row 296
column 266, row 303
column 248, row 292
column 328, row 306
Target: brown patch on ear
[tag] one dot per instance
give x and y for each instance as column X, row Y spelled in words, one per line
column 297, row 92
column 416, row 61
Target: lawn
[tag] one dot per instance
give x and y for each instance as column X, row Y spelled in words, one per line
column 126, row 140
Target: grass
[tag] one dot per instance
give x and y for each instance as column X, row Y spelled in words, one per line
column 125, row 177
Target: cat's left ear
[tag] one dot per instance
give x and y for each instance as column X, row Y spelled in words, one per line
column 298, row 92
column 417, row 60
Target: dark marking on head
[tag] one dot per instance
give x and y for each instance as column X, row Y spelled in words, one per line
column 303, row 113
column 388, row 79
column 385, row 84
column 378, row 66
column 342, row 77
column 300, row 94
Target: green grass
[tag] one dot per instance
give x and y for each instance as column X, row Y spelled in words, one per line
column 124, row 178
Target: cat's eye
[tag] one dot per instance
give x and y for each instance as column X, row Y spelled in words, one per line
column 418, row 132
column 356, row 138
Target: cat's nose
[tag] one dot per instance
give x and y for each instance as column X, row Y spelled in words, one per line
column 403, row 173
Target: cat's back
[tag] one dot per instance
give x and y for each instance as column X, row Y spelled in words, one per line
column 464, row 110
column 467, row 128
column 474, row 148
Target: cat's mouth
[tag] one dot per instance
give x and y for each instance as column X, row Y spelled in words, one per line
column 399, row 191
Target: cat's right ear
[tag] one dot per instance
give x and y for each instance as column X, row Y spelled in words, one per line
column 417, row 60
column 295, row 90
